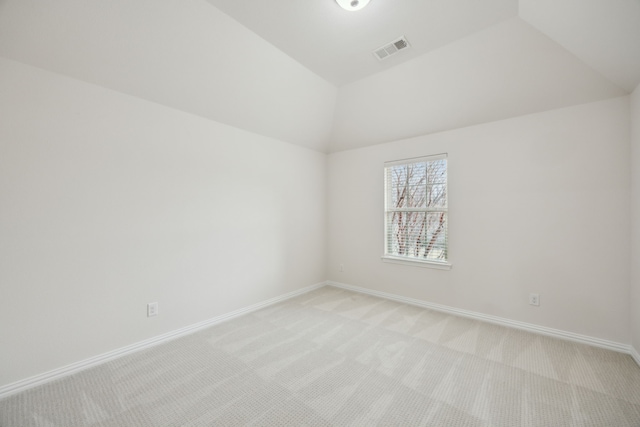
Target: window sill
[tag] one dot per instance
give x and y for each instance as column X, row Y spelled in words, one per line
column 417, row 263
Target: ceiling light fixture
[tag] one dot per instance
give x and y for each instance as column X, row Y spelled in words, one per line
column 352, row 5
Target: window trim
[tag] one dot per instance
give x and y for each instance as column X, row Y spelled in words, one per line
column 413, row 262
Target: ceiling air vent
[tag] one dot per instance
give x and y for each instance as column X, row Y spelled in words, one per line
column 391, row 49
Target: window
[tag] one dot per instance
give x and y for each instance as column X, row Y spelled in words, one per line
column 416, row 211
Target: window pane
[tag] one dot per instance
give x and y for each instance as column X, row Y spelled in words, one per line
column 416, row 233
column 417, row 196
column 397, row 179
column 406, row 233
column 417, row 191
column 437, row 196
column 437, row 172
column 417, row 173
column 436, row 236
column 396, row 227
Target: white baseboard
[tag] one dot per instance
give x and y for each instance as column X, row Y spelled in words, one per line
column 76, row 367
column 634, row 353
column 542, row 330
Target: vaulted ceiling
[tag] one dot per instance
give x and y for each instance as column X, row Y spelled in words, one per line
column 337, row 45
column 303, row 71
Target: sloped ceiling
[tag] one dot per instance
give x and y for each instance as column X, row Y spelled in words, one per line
column 303, row 72
column 507, row 70
column 184, row 54
column 605, row 34
column 338, row 45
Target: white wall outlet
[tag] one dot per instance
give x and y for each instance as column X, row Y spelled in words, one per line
column 534, row 299
column 341, row 267
column 152, row 309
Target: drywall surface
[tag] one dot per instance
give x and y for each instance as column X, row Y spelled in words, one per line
column 505, row 71
column 109, row 202
column 635, row 218
column 538, row 204
column 184, row 54
column 603, row 34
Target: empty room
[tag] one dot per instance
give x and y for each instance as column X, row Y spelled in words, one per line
column 320, row 213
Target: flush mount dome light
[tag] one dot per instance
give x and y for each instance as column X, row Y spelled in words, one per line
column 352, row 5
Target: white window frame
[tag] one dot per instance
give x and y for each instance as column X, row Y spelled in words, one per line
column 407, row 260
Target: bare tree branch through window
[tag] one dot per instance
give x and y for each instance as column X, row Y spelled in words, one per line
column 416, row 209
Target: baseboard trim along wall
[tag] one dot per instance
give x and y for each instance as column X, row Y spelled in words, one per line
column 542, row 330
column 76, row 367
column 634, row 353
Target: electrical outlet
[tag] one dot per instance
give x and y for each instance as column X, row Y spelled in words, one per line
column 152, row 309
column 534, row 299
column 341, row 267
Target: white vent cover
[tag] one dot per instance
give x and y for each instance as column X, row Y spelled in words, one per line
column 391, row 49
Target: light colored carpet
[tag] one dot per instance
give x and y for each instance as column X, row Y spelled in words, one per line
column 337, row 358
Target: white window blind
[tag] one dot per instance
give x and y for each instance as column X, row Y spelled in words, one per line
column 416, row 209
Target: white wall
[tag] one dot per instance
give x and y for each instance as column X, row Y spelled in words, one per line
column 538, row 203
column 635, row 219
column 108, row 202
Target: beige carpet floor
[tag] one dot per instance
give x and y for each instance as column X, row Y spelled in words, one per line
column 337, row 358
